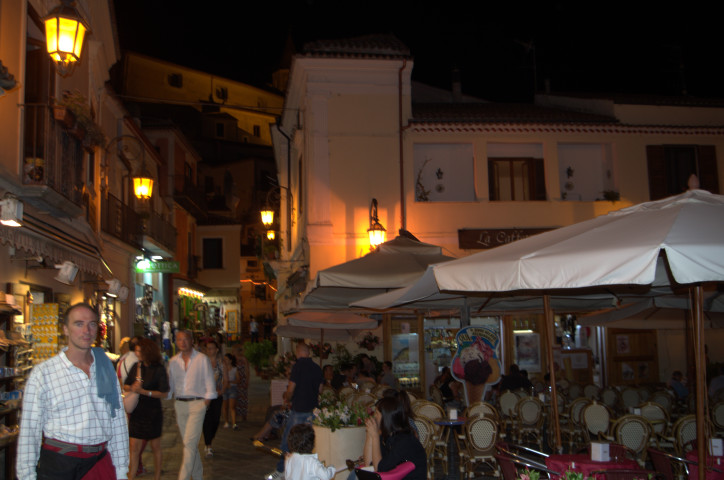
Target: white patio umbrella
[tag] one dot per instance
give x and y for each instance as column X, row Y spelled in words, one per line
column 613, row 251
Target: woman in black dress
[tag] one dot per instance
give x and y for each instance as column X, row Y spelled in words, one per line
column 148, row 378
column 391, row 441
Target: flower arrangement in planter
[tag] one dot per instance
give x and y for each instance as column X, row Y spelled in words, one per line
column 369, row 341
column 283, row 363
column 340, row 415
column 73, row 111
column 321, row 351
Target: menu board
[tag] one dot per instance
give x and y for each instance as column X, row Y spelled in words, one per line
column 44, row 318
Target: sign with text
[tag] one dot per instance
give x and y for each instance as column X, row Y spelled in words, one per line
column 473, row 238
column 144, row 266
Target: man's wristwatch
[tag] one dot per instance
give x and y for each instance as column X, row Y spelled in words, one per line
column 149, row 393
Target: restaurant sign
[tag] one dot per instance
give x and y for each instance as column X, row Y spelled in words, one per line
column 473, row 238
column 145, row 266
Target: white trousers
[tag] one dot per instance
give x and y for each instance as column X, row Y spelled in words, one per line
column 190, row 420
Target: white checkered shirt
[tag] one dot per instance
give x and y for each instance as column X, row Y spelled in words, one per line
column 61, row 402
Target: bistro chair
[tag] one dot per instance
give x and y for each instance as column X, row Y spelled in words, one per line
column 432, row 412
column 351, row 399
column 345, row 391
column 670, row 466
column 367, row 386
column 508, row 401
column 521, row 452
column 436, row 395
column 481, row 434
column 575, row 390
column 596, row 420
column 717, row 419
column 644, row 393
column 658, row 418
column 630, row 398
column 683, row 433
column 366, row 399
column 529, row 421
column 328, row 390
column 482, row 408
column 379, row 390
column 570, row 424
column 665, row 399
column 426, row 435
column 611, row 397
column 592, row 391
column 633, row 432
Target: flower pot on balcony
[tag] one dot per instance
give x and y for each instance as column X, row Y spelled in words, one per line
column 334, row 448
column 62, row 115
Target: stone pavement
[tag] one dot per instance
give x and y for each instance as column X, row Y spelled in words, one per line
column 234, row 456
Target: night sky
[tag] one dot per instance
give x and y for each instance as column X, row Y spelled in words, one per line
column 595, row 47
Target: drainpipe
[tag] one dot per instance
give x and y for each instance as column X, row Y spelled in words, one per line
column 403, row 215
column 289, row 186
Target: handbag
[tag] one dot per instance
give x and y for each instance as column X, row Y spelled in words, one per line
column 130, row 400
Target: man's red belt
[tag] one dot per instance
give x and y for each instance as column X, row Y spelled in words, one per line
column 73, row 449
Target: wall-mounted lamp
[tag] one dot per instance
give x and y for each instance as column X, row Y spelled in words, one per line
column 271, row 235
column 117, row 290
column 12, row 212
column 65, row 30
column 143, row 184
column 67, row 272
column 376, row 232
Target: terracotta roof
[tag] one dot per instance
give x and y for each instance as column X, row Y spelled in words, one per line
column 644, row 99
column 518, row 113
column 368, row 46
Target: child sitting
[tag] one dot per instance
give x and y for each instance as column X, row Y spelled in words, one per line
column 300, row 463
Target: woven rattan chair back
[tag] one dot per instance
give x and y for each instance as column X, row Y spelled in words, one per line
column 430, row 410
column 436, row 395
column 344, row 392
column 684, row 431
column 483, row 409
column 592, row 392
column 717, row 417
column 366, row 399
column 380, row 390
column 508, row 400
column 630, row 398
column 351, row 399
column 633, row 432
column 665, row 399
column 529, row 411
column 611, row 397
column 368, row 386
column 596, row 418
column 644, row 394
column 425, row 433
column 656, row 415
column 481, row 433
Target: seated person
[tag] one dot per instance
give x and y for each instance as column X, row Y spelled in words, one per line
column 677, row 385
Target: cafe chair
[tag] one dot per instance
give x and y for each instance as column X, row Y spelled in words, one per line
column 345, row 392
column 432, row 412
column 426, row 435
column 592, row 391
column 630, row 398
column 670, row 466
column 508, row 401
column 683, row 433
column 626, row 474
column 575, row 390
column 529, row 421
column 664, row 398
column 596, row 420
column 659, row 420
column 633, row 432
column 717, row 419
column 644, row 393
column 481, row 434
column 379, row 390
column 570, row 423
column 483, row 409
column 611, row 397
column 521, row 452
column 436, row 395
column 509, row 467
column 366, row 399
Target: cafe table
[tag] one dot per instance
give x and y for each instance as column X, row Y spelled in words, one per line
column 448, row 425
column 582, row 463
column 715, row 462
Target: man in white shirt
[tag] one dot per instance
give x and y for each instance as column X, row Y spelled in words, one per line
column 128, row 360
column 191, row 379
column 73, row 424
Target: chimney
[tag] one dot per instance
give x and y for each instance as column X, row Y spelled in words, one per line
column 457, row 93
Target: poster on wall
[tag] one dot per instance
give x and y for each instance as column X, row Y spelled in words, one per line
column 527, row 351
column 404, row 348
column 476, row 363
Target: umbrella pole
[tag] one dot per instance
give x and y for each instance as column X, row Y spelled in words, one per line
column 700, row 362
column 550, row 331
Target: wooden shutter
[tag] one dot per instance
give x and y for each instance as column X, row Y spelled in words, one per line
column 540, row 180
column 656, row 162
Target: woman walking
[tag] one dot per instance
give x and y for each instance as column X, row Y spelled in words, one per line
column 242, row 367
column 213, row 413
column 231, row 391
column 149, row 380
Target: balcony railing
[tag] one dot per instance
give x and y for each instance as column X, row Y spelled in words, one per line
column 160, row 230
column 52, row 156
column 120, row 221
column 189, row 196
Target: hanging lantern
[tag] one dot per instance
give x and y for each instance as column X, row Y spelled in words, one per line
column 65, row 30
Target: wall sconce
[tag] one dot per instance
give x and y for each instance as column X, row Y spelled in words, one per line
column 376, row 232
column 67, row 272
column 12, row 211
column 143, row 184
column 117, row 290
column 267, row 216
column 65, row 30
column 271, row 235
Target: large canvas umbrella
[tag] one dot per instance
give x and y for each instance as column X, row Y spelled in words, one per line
column 613, row 251
column 394, row 264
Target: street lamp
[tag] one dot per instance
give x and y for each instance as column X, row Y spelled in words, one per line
column 143, row 184
column 267, row 216
column 376, row 232
column 65, row 30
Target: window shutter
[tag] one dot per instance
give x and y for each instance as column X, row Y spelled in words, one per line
column 656, row 161
column 540, row 179
column 708, row 177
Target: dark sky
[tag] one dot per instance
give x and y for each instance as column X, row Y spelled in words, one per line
column 620, row 47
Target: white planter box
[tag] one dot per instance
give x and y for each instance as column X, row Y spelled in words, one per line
column 334, row 448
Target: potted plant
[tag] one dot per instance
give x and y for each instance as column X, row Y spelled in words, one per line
column 73, row 111
column 339, row 430
column 321, row 351
column 258, row 354
column 369, row 341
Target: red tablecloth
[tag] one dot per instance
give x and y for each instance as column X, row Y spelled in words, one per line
column 712, row 461
column 584, row 464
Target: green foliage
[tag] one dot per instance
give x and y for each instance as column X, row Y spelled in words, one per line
column 339, row 415
column 258, row 353
column 79, row 106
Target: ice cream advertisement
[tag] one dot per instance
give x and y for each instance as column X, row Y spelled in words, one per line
column 476, row 364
